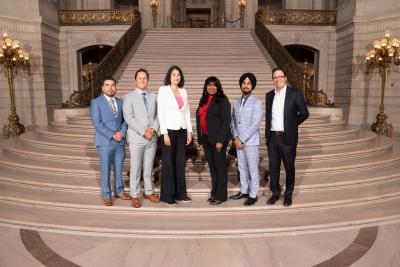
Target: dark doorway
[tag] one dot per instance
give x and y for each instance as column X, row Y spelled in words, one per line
column 90, row 54
column 126, row 4
column 198, row 18
column 301, row 53
column 269, row 4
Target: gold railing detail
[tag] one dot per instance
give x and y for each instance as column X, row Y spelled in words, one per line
column 280, row 55
column 97, row 17
column 313, row 97
column 298, row 17
column 107, row 66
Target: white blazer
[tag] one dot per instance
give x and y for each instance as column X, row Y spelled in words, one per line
column 169, row 114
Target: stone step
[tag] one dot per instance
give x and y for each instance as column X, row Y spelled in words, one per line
column 310, row 165
column 366, row 146
column 185, row 222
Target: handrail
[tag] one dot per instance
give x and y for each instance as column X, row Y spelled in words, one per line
column 97, row 17
column 280, row 55
column 107, row 66
column 298, row 17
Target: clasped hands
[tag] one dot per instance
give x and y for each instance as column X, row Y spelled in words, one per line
column 118, row 136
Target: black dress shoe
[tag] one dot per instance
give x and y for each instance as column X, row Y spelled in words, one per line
column 239, row 196
column 216, row 202
column 210, row 199
column 272, row 200
column 250, row 201
column 287, row 202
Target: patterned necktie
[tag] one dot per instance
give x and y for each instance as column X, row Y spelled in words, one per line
column 146, row 104
column 114, row 109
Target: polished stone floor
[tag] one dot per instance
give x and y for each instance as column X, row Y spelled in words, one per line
column 369, row 246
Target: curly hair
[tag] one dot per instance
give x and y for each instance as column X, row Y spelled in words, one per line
column 218, row 96
column 167, row 79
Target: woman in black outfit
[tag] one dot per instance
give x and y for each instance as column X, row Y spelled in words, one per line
column 213, row 119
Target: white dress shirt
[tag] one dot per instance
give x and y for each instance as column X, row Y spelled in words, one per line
column 169, row 114
column 277, row 110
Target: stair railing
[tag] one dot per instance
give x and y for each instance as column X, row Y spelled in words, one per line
column 107, row 67
column 280, row 55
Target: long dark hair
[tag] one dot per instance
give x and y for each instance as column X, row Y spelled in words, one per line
column 167, row 79
column 218, row 96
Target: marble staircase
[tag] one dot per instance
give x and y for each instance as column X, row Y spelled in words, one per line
column 346, row 177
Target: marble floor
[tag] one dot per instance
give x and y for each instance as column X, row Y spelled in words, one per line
column 366, row 247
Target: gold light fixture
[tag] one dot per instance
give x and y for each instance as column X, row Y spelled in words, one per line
column 384, row 52
column 12, row 57
column 154, row 11
column 242, row 7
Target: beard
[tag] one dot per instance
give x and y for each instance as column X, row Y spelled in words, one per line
column 246, row 92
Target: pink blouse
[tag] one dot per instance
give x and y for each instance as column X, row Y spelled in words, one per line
column 180, row 101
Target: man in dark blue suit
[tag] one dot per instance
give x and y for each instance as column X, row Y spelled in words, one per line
column 285, row 111
column 107, row 118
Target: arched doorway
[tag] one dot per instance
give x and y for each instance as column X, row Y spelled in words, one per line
column 301, row 53
column 93, row 54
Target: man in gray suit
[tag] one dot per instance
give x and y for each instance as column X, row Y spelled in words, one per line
column 140, row 113
column 246, row 119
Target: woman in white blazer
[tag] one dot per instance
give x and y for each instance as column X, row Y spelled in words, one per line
column 176, row 132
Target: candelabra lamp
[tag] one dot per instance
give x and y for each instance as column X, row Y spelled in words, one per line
column 154, row 11
column 242, row 7
column 385, row 52
column 12, row 57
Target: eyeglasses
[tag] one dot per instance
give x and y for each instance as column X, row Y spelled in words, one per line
column 278, row 78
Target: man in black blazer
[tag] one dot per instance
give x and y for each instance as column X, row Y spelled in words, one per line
column 285, row 111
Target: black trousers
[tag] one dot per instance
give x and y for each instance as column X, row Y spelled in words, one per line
column 278, row 150
column 218, row 169
column 173, row 184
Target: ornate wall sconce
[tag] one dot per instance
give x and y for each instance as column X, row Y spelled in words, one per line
column 242, row 7
column 154, row 11
column 381, row 56
column 12, row 58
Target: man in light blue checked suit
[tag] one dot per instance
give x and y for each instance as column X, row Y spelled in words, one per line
column 246, row 119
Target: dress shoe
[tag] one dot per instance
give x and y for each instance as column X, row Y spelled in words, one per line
column 135, row 202
column 172, row 203
column 107, row 202
column 216, row 202
column 287, row 201
column 152, row 197
column 272, row 200
column 250, row 201
column 123, row 196
column 210, row 199
column 186, row 200
column 239, row 196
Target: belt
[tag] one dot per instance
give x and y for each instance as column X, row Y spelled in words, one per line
column 278, row 132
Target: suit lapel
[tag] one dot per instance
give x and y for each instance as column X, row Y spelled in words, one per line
column 106, row 104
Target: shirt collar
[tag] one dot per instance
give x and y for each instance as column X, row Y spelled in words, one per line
column 141, row 91
column 109, row 98
column 283, row 91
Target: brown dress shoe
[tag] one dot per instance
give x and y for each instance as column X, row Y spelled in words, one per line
column 153, row 198
column 107, row 202
column 135, row 202
column 123, row 196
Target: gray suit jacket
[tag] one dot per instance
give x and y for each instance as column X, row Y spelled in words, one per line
column 138, row 118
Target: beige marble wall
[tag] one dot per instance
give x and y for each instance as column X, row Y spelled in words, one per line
column 322, row 38
column 359, row 23
column 23, row 20
column 74, row 38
